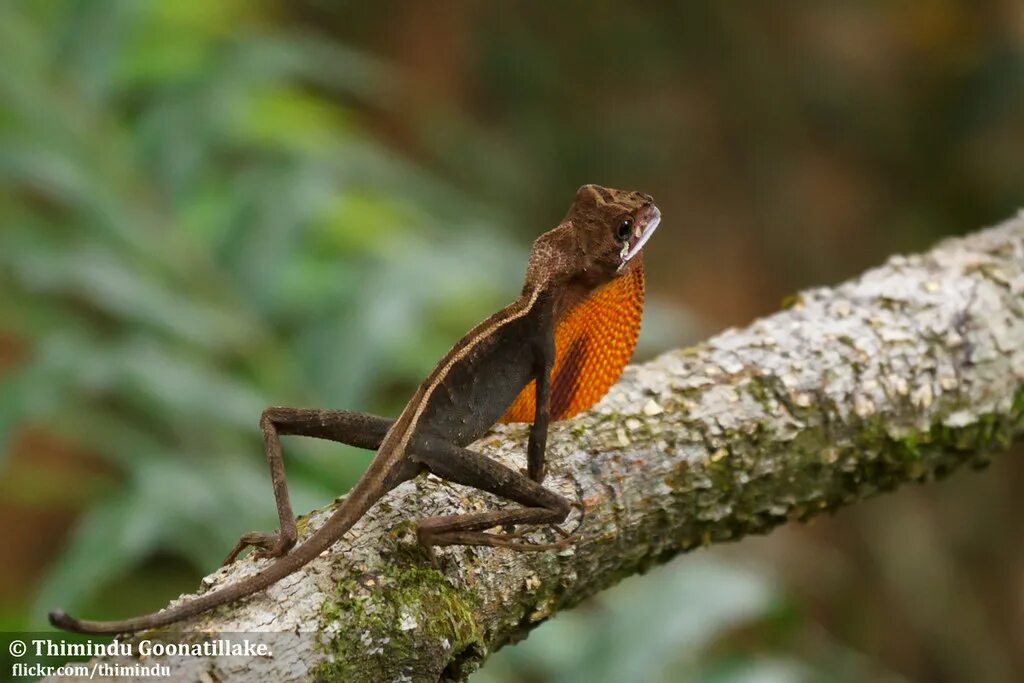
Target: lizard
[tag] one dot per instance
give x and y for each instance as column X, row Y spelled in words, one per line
column 550, row 354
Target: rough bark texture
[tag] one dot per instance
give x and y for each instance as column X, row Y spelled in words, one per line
column 903, row 374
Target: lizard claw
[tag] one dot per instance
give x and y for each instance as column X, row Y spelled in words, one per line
column 276, row 550
column 270, row 546
column 568, row 537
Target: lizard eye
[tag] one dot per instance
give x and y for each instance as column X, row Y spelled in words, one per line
column 624, row 229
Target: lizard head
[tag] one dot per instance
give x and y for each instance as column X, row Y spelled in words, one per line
column 611, row 226
column 601, row 236
column 603, row 233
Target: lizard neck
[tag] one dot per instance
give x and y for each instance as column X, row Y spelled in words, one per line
column 564, row 296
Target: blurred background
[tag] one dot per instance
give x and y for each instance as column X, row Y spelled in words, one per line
column 211, row 207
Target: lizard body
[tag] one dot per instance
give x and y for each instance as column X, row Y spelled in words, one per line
column 551, row 353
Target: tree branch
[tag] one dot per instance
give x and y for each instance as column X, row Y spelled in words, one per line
column 903, row 374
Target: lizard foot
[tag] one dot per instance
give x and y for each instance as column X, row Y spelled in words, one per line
column 508, row 539
column 270, row 545
column 568, row 537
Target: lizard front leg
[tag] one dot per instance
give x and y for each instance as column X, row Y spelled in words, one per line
column 362, row 430
column 544, row 353
column 463, row 466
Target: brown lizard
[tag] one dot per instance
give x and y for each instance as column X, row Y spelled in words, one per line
column 550, row 354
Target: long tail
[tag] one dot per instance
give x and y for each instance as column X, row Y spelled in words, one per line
column 362, row 496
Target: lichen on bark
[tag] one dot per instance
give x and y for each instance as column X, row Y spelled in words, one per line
column 903, row 374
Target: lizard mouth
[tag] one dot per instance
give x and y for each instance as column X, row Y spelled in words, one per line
column 639, row 237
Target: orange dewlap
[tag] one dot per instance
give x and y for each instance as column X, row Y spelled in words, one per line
column 593, row 342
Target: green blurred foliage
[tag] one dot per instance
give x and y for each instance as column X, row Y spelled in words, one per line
column 194, row 229
column 211, row 207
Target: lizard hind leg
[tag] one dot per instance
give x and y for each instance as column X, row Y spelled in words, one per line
column 462, row 466
column 357, row 429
